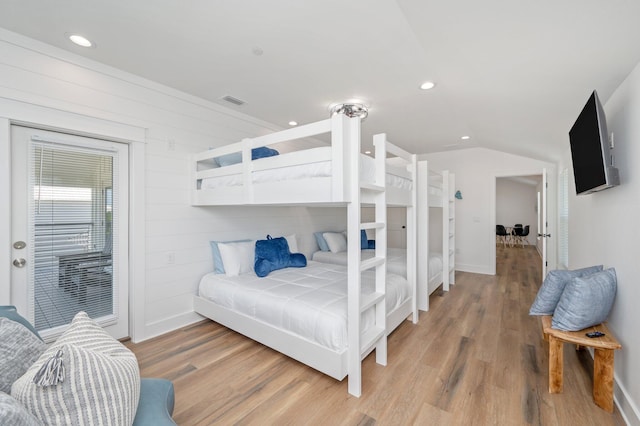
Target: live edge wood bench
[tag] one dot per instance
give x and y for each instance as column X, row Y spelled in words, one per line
column 603, row 347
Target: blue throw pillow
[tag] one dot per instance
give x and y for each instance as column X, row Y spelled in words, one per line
column 322, row 243
column 263, row 152
column 273, row 254
column 586, row 301
column 364, row 243
column 553, row 286
column 218, row 265
column 236, row 157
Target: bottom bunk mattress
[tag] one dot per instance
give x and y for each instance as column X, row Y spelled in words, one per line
column 310, row 302
column 396, row 260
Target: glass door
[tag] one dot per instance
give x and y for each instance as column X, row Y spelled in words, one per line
column 69, row 227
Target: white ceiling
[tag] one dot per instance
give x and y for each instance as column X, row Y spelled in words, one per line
column 513, row 75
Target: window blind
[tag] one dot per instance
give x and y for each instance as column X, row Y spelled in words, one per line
column 73, row 212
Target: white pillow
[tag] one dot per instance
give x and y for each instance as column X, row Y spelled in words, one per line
column 336, row 241
column 237, row 258
column 293, row 243
column 100, row 380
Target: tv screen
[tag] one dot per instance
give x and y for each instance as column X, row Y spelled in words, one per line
column 590, row 153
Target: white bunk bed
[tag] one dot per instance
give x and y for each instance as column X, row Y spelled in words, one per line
column 396, row 262
column 344, row 178
column 440, row 193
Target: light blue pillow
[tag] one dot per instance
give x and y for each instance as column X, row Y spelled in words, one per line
column 218, row 265
column 229, row 159
column 553, row 286
column 321, row 241
column 586, row 301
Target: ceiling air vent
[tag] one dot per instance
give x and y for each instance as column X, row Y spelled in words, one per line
column 232, row 100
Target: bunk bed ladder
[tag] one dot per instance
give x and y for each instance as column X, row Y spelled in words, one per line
column 448, row 230
column 452, row 227
column 361, row 344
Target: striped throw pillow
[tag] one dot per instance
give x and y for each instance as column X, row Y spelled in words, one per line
column 98, row 381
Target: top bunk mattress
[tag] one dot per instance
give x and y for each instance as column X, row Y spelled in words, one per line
column 306, row 170
column 310, row 302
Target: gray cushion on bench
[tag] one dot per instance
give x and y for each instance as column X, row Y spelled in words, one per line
column 586, row 301
column 554, row 283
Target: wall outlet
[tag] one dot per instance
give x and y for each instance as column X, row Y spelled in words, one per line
column 170, row 257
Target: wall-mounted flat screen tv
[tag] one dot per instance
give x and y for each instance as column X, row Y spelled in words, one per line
column 590, row 152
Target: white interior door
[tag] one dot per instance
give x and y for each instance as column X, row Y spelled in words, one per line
column 544, row 223
column 69, row 228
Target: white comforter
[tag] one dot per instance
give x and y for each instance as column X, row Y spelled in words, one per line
column 310, row 302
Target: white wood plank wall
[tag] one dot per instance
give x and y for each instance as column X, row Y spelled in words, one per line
column 178, row 125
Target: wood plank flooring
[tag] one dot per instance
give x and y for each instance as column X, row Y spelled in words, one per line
column 476, row 358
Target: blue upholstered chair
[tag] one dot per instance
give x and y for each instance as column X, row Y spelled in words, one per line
column 156, row 395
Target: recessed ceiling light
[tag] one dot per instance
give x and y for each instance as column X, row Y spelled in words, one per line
column 293, row 123
column 427, row 85
column 464, row 138
column 367, row 152
column 80, row 40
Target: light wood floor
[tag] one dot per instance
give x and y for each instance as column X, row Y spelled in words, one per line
column 476, row 358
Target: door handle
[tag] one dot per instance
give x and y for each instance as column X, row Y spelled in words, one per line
column 19, row 263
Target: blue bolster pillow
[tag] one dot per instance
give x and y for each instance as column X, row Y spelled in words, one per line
column 273, row 254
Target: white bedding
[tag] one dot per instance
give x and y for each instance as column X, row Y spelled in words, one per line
column 305, row 171
column 396, row 260
column 310, row 302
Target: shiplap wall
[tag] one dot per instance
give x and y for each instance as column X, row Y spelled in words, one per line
column 177, row 125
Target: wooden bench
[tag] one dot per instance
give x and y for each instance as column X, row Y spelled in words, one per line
column 603, row 359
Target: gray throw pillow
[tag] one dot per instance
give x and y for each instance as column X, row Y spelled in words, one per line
column 14, row 414
column 19, row 349
column 586, row 301
column 549, row 294
column 100, row 379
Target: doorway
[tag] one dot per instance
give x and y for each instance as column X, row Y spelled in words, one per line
column 521, row 199
column 69, row 230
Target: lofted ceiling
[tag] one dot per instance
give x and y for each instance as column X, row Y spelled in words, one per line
column 511, row 75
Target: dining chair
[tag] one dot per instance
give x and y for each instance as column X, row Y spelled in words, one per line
column 501, row 234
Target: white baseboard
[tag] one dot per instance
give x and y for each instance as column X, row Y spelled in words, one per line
column 169, row 324
column 625, row 404
column 476, row 269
